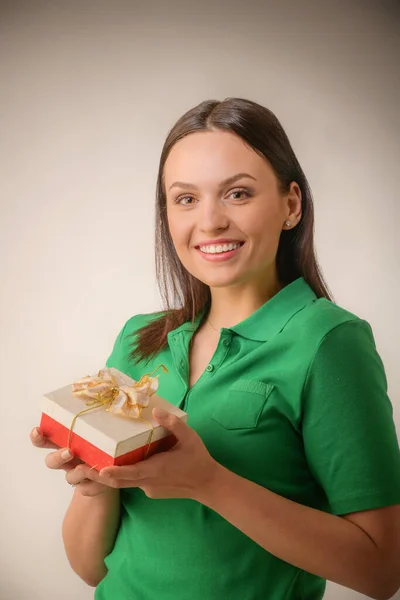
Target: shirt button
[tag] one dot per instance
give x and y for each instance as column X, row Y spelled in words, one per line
column 210, row 368
column 226, row 342
column 182, row 363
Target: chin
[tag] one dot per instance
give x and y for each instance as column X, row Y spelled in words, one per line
column 216, row 279
column 219, row 282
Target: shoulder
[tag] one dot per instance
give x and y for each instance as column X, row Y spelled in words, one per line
column 137, row 322
column 126, row 339
column 342, row 350
column 326, row 335
column 325, row 319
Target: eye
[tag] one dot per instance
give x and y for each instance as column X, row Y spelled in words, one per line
column 241, row 191
column 182, row 198
column 190, row 201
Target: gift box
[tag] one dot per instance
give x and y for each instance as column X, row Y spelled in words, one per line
column 121, row 432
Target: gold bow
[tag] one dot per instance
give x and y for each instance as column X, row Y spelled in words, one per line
column 126, row 400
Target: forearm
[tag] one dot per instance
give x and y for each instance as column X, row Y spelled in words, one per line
column 89, row 529
column 320, row 543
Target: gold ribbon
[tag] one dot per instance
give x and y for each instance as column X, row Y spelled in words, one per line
column 103, row 390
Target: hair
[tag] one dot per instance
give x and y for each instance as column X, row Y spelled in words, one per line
column 183, row 295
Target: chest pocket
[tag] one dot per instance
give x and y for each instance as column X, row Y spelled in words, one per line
column 243, row 404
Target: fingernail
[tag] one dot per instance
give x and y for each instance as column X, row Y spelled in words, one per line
column 66, row 454
column 159, row 412
column 36, row 433
column 104, row 474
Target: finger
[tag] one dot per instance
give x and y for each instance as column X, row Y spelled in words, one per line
column 122, row 483
column 174, row 424
column 90, row 473
column 84, row 474
column 90, row 488
column 76, row 476
column 137, row 472
column 60, row 458
column 41, row 441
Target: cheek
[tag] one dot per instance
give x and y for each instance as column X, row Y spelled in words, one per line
column 259, row 227
column 180, row 234
column 172, row 226
column 266, row 220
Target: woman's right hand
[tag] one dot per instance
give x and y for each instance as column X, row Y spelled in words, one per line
column 63, row 459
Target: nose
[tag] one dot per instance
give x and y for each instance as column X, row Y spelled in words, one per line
column 212, row 216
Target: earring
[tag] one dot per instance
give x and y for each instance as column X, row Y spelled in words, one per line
column 287, row 223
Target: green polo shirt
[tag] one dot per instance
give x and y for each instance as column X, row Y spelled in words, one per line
column 294, row 399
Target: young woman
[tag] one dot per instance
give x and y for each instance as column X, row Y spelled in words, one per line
column 288, row 471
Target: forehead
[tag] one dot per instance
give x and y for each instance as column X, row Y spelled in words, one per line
column 211, row 155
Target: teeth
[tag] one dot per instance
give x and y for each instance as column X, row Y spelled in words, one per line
column 219, row 248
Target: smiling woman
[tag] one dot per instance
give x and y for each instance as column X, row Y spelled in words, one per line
column 287, row 473
column 228, row 175
column 219, row 214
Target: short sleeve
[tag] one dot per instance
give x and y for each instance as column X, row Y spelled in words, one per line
column 116, row 356
column 349, row 434
column 125, row 343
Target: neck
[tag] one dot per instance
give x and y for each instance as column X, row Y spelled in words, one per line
column 231, row 305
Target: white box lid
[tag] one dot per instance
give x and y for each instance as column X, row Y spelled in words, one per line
column 114, row 434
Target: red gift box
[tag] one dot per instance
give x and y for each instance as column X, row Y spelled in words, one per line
column 101, row 438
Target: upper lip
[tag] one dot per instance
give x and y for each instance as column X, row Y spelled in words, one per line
column 219, row 241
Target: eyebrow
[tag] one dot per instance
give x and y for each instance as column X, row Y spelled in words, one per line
column 232, row 179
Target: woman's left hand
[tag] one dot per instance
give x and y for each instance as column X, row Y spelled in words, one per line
column 185, row 471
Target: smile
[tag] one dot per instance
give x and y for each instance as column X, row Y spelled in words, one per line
column 218, row 248
column 217, row 252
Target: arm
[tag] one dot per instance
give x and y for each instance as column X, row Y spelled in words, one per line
column 89, row 530
column 91, row 522
column 351, row 447
column 326, row 545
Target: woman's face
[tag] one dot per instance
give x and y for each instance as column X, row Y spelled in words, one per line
column 224, row 209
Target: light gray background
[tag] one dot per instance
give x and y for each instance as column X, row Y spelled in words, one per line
column 88, row 93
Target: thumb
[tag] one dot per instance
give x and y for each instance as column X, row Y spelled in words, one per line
column 171, row 422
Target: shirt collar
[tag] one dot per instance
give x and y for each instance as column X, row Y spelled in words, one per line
column 188, row 325
column 270, row 318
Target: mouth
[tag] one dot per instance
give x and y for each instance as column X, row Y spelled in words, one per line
column 221, row 251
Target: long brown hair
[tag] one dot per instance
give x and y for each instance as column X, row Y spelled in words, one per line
column 183, row 295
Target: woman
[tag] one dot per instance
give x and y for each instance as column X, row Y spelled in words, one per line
column 288, row 471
